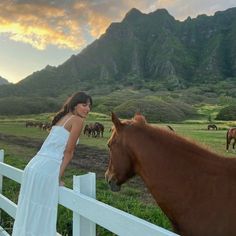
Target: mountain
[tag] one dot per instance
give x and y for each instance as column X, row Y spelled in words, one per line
column 151, row 52
column 3, row 81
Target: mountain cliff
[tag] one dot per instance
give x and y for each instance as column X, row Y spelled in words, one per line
column 144, row 51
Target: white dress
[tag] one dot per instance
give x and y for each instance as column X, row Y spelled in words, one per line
column 38, row 199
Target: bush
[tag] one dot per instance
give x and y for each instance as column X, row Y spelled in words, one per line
column 156, row 110
column 24, row 105
column 227, row 113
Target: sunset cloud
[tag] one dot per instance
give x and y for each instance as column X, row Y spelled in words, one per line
column 64, row 23
column 40, row 25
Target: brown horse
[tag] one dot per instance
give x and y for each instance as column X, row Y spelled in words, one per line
column 194, row 187
column 99, row 129
column 95, row 130
column 231, row 134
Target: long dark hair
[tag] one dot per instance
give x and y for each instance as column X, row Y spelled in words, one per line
column 69, row 105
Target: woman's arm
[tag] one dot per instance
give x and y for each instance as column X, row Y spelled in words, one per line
column 76, row 128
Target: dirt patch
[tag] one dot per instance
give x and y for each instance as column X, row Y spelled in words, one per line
column 22, row 141
column 85, row 157
column 91, row 159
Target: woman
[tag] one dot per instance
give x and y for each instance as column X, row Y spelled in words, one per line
column 37, row 205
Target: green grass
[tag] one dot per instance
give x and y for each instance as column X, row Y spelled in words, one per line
column 128, row 199
column 212, row 139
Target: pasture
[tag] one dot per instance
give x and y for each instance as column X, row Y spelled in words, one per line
column 21, row 143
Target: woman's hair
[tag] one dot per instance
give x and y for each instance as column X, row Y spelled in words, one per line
column 70, row 104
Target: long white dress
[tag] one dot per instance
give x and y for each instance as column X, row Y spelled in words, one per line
column 38, row 199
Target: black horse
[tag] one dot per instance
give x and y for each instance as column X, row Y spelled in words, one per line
column 212, row 126
column 99, row 129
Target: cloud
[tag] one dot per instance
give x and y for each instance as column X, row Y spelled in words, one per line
column 74, row 23
column 182, row 9
column 39, row 25
column 64, row 23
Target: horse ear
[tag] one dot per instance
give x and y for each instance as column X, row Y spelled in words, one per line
column 138, row 117
column 116, row 121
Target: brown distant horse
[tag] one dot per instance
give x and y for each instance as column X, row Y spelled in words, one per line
column 194, row 187
column 231, row 134
column 89, row 130
column 99, row 128
column 94, row 130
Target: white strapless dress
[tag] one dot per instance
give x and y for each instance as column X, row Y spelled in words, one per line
column 38, row 199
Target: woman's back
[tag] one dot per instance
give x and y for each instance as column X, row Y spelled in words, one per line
column 54, row 145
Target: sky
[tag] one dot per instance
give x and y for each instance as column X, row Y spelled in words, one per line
column 37, row 33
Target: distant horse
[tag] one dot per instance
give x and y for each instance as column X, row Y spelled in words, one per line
column 86, row 129
column 194, row 187
column 30, row 124
column 231, row 134
column 89, row 130
column 99, row 129
column 94, row 130
column 212, row 126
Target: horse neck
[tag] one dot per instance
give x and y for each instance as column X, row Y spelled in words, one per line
column 166, row 167
column 151, row 157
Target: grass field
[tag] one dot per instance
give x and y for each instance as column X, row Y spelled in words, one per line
column 133, row 197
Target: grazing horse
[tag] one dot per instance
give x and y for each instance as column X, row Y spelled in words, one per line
column 86, row 130
column 99, row 129
column 212, row 126
column 89, row 130
column 231, row 134
column 194, row 187
column 95, row 130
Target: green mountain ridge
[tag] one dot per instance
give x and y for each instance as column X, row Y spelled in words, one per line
column 146, row 52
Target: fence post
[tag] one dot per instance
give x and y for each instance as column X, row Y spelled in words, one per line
column 1, row 178
column 85, row 184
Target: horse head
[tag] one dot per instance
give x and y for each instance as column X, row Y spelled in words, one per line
column 121, row 166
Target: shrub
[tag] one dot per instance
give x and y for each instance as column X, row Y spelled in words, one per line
column 227, row 113
column 156, row 110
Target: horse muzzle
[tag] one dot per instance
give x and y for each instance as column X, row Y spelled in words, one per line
column 112, row 183
column 114, row 187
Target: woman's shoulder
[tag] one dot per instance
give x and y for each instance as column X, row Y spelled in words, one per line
column 77, row 120
column 76, row 124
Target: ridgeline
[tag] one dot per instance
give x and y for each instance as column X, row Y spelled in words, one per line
column 147, row 62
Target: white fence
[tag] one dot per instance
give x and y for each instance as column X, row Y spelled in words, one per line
column 87, row 211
